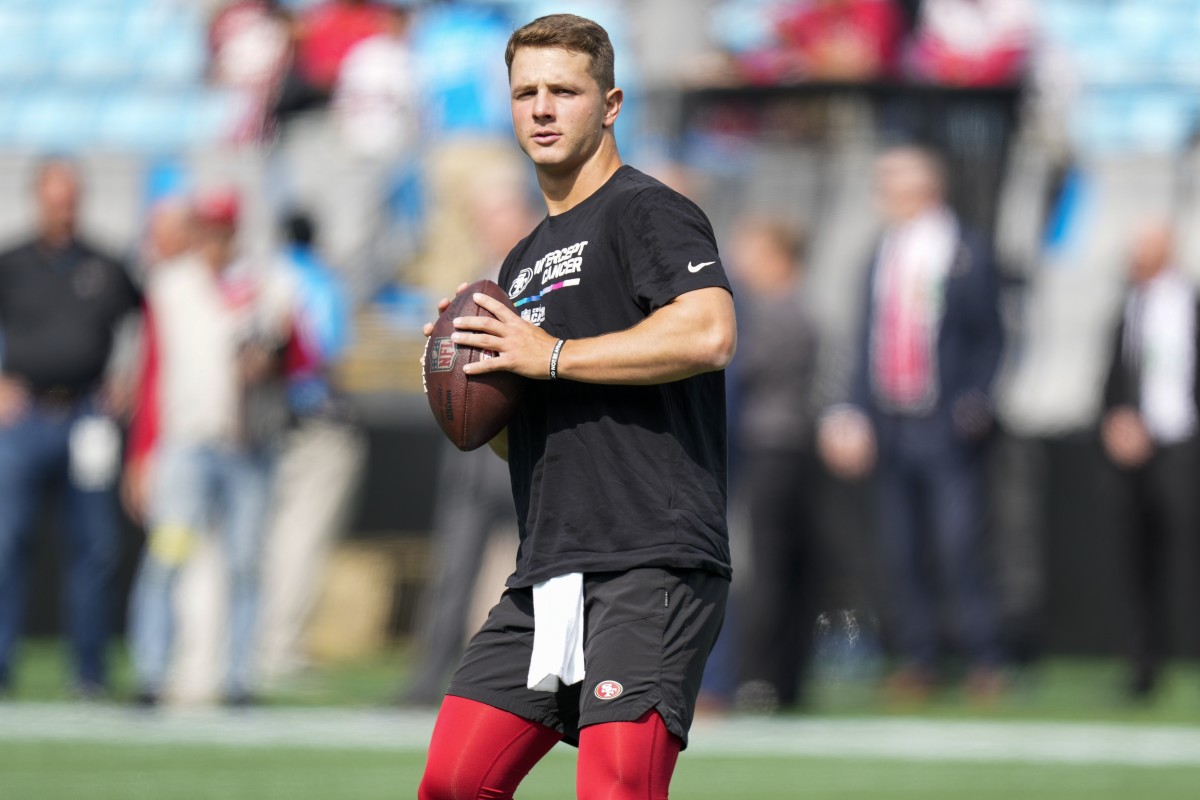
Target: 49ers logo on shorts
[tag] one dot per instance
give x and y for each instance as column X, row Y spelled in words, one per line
column 608, row 690
column 443, row 352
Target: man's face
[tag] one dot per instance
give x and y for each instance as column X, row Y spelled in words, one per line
column 559, row 114
column 1152, row 251
column 904, row 187
column 215, row 241
column 58, row 201
column 170, row 229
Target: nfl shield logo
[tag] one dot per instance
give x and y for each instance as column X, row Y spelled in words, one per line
column 442, row 352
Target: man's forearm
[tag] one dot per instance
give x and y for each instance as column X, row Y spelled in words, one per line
column 667, row 346
column 694, row 333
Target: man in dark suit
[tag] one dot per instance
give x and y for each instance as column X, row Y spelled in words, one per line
column 918, row 413
column 1149, row 432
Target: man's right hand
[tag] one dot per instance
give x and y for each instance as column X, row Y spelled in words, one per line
column 846, row 443
column 14, row 400
column 1125, row 438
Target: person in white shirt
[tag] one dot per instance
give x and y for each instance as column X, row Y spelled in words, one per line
column 1149, row 433
column 212, row 411
column 375, row 97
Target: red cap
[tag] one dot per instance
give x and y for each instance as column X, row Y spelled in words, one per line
column 218, row 207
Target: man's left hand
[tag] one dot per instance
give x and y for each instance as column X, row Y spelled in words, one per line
column 520, row 346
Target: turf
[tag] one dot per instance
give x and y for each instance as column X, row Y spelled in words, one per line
column 1067, row 690
column 1084, row 690
column 115, row 772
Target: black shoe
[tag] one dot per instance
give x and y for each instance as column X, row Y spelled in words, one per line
column 1142, row 684
column 146, row 699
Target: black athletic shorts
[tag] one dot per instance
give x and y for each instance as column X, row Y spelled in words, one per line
column 647, row 634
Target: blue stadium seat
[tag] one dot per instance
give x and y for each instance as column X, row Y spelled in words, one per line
column 139, row 121
column 177, row 57
column 96, row 61
column 55, row 120
column 211, row 115
column 167, row 122
column 1161, row 121
column 10, row 101
column 24, row 55
column 1182, row 60
column 70, row 25
column 1105, row 61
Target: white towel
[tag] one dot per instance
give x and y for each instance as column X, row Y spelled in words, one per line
column 557, row 633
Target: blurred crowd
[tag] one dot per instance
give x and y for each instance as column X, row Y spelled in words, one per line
column 218, row 365
column 192, row 381
column 948, row 42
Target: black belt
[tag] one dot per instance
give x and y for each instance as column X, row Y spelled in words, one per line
column 59, row 396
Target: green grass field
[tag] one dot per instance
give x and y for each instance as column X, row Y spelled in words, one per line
column 1064, row 732
column 112, row 772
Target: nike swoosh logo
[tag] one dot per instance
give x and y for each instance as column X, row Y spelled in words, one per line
column 697, row 267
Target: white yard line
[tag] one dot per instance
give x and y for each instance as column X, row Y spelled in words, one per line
column 389, row 730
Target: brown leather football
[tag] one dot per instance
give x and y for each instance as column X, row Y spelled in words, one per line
column 471, row 410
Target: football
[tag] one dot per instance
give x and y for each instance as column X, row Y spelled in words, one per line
column 471, row 410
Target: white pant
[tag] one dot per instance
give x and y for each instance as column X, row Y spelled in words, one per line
column 317, row 477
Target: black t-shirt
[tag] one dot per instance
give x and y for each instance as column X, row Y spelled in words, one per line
column 609, row 478
column 58, row 312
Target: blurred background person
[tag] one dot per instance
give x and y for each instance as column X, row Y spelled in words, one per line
column 774, row 380
column 474, row 513
column 812, row 40
column 375, row 95
column 250, row 50
column 919, row 412
column 325, row 32
column 61, row 301
column 843, row 40
column 218, row 332
column 372, row 153
column 971, row 42
column 322, row 460
column 169, row 234
column 1149, row 433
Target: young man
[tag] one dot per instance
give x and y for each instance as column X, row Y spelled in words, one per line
column 617, row 455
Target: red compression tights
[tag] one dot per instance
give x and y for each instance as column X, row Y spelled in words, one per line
column 626, row 760
column 482, row 753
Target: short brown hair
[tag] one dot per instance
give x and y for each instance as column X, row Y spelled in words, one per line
column 570, row 32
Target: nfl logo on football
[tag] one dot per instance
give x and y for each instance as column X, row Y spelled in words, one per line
column 444, row 353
